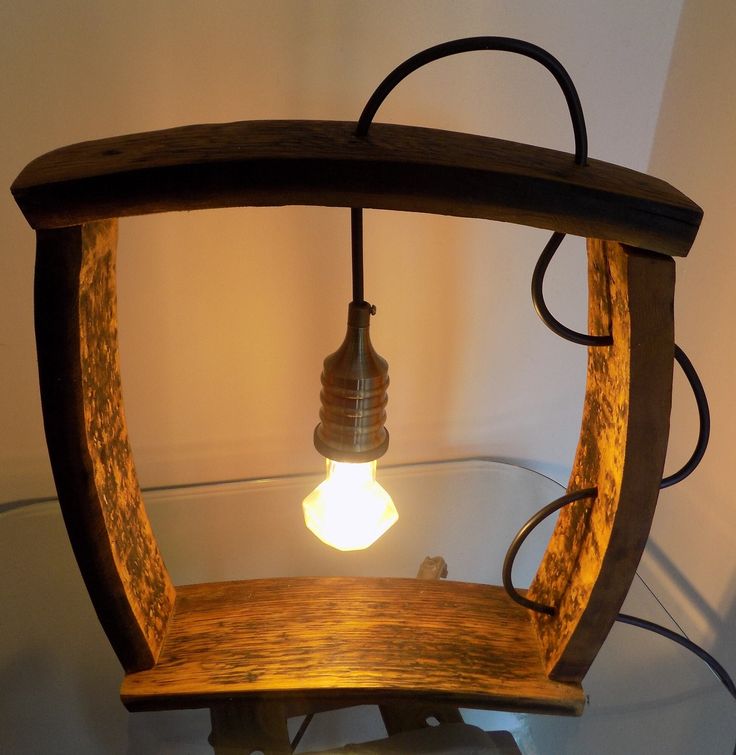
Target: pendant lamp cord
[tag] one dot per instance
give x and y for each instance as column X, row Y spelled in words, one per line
column 544, row 58
column 444, row 50
column 356, row 234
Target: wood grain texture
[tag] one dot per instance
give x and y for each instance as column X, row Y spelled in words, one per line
column 592, row 556
column 323, row 163
column 76, row 335
column 353, row 639
column 409, row 715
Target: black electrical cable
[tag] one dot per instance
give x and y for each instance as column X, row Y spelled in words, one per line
column 356, row 233
column 521, row 536
column 444, row 50
column 302, row 729
column 584, row 339
column 474, row 44
column 703, row 420
column 680, row 639
column 540, row 270
column 720, row 672
column 704, row 655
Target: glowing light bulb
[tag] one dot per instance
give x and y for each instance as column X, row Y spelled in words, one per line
column 349, row 510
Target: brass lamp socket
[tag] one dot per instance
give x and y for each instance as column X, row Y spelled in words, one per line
column 353, row 396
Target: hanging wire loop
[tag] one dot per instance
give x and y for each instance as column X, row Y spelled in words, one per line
column 473, row 44
column 521, row 536
column 540, row 270
column 444, row 50
column 584, row 339
column 701, row 401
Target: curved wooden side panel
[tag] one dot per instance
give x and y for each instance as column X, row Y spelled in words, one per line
column 592, row 556
column 76, row 336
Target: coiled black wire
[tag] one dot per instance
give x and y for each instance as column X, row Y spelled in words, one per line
column 521, row 536
column 703, row 421
column 719, row 671
column 584, row 339
column 540, row 306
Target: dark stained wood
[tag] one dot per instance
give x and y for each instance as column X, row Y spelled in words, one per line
column 323, row 163
column 243, row 727
column 592, row 556
column 409, row 715
column 76, row 335
column 352, row 639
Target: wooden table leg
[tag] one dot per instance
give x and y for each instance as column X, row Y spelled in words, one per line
column 241, row 728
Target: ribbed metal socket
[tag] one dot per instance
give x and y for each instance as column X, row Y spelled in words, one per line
column 354, row 384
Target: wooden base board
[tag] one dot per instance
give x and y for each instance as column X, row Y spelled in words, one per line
column 358, row 640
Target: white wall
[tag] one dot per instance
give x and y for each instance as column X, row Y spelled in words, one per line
column 690, row 557
column 695, row 149
column 220, row 311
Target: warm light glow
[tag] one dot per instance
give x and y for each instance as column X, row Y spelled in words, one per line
column 349, row 510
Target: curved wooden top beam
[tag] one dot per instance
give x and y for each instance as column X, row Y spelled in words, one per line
column 271, row 163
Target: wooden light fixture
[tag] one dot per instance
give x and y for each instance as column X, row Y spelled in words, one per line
column 276, row 647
